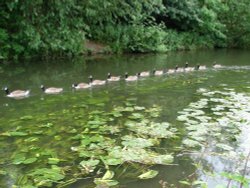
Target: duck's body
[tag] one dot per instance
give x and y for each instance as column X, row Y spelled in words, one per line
column 145, row 74
column 81, row 86
column 187, row 68
column 52, row 90
column 201, row 67
column 171, row 71
column 179, row 69
column 113, row 78
column 96, row 82
column 131, row 78
column 18, row 94
column 217, row 66
column 158, row 72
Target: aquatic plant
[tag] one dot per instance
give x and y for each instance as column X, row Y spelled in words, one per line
column 78, row 142
column 214, row 125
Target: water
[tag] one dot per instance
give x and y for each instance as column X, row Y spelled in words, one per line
column 65, row 114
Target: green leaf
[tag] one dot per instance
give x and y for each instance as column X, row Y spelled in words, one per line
column 19, row 158
column 108, row 175
column 149, row 174
column 26, row 117
column 53, row 160
column 184, row 182
column 109, row 183
column 89, row 165
column 46, row 175
column 113, row 161
column 2, row 172
column 29, row 160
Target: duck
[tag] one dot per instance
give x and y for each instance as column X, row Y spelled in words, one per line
column 113, row 78
column 18, row 94
column 171, row 71
column 96, row 82
column 179, row 69
column 145, row 74
column 216, row 66
column 158, row 72
column 81, row 86
column 201, row 67
column 187, row 68
column 131, row 78
column 51, row 90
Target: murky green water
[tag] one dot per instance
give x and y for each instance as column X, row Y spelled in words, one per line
column 49, row 131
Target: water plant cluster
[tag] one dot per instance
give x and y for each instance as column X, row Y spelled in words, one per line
column 80, row 142
column 218, row 125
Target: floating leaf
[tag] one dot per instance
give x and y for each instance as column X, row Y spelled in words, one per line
column 89, row 165
column 113, row 161
column 130, row 141
column 149, row 174
column 107, row 183
column 108, row 175
column 19, row 158
column 224, row 146
column 2, row 172
column 29, row 160
column 45, row 176
column 26, row 117
column 14, row 133
column 136, row 116
column 184, row 182
column 191, row 143
column 163, row 159
column 53, row 160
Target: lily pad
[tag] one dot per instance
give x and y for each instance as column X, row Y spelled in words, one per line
column 149, row 174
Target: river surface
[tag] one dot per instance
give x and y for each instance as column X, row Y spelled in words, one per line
column 42, row 131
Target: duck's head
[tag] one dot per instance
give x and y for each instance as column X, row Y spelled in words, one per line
column 138, row 74
column 176, row 67
column 153, row 71
column 109, row 75
column 198, row 66
column 91, row 78
column 42, row 87
column 74, row 85
column 6, row 89
column 186, row 65
column 126, row 75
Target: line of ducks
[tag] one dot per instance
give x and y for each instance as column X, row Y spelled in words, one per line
column 18, row 94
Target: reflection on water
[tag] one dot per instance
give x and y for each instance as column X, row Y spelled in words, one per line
column 171, row 92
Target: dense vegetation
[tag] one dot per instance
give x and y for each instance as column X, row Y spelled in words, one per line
column 46, row 28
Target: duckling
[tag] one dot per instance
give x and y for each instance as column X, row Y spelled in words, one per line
column 51, row 90
column 96, row 82
column 131, row 78
column 145, row 74
column 158, row 72
column 187, row 68
column 18, row 94
column 81, row 86
column 113, row 78
column 216, row 66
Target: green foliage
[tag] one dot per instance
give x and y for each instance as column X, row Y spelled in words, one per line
column 132, row 38
column 237, row 21
column 55, row 28
column 40, row 28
